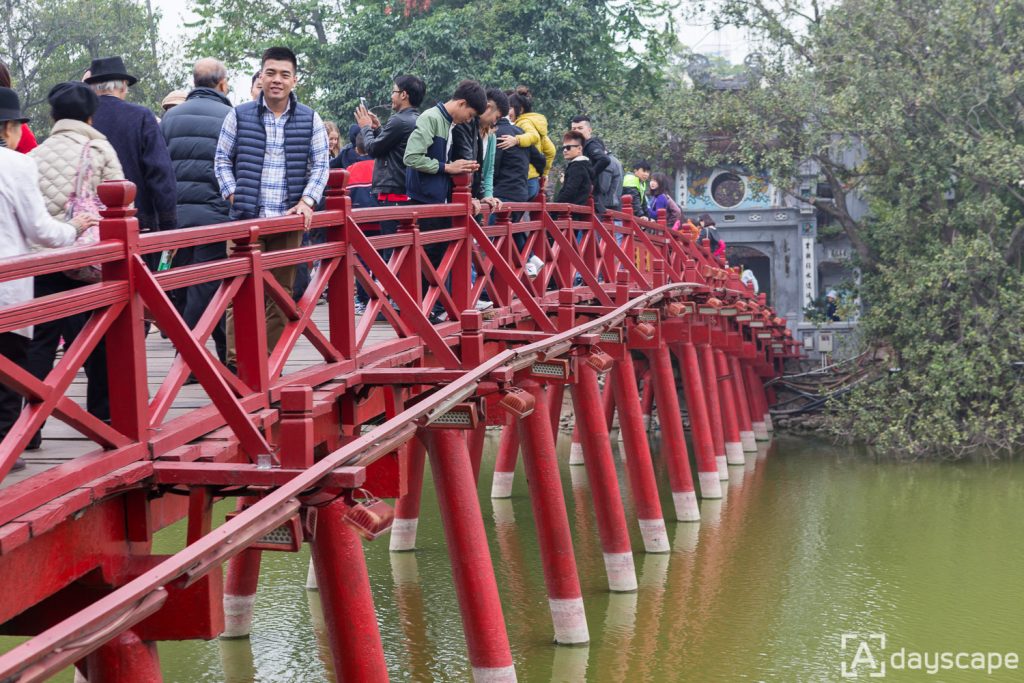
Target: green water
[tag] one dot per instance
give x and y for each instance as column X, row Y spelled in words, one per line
column 810, row 542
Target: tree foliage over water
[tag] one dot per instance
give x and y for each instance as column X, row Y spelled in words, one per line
column 918, row 105
column 564, row 51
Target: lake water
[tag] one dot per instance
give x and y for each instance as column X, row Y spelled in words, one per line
column 810, row 542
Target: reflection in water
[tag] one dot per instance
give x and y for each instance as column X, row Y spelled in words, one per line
column 570, row 664
column 323, row 641
column 236, row 660
column 810, row 542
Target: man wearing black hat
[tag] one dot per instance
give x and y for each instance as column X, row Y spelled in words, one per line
column 191, row 131
column 135, row 135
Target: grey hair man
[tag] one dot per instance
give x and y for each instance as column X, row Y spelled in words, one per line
column 191, row 130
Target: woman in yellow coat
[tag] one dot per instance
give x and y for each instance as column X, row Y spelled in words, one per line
column 535, row 134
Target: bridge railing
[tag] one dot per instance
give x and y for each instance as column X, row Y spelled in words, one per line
column 616, row 265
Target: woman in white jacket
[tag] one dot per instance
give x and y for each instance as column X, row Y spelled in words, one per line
column 59, row 159
column 24, row 222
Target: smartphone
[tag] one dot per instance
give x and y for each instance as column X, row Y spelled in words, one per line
column 362, row 101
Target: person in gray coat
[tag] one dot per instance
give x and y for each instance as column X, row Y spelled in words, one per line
column 191, row 130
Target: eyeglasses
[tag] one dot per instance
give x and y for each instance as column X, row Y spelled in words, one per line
column 397, row 92
column 566, row 148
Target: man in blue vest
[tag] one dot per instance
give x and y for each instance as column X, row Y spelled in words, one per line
column 272, row 159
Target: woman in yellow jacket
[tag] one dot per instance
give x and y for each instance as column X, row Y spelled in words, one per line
column 535, row 134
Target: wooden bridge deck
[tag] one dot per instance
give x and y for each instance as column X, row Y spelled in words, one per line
column 61, row 443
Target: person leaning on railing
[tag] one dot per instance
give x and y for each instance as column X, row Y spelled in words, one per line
column 24, row 221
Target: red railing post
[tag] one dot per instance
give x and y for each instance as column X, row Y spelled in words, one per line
column 461, row 271
column 295, row 440
column 247, row 318
column 126, row 338
column 341, row 288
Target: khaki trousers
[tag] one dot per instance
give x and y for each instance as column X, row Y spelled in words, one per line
column 275, row 317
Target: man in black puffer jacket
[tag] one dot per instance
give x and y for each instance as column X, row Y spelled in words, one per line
column 191, row 131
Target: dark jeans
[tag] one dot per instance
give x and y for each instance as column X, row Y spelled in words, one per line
column 42, row 350
column 198, row 297
column 13, row 347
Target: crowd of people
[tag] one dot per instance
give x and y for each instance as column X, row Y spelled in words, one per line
column 207, row 161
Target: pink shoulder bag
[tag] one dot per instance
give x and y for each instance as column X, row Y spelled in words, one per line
column 83, row 200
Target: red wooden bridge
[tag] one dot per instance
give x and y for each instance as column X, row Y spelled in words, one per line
column 347, row 410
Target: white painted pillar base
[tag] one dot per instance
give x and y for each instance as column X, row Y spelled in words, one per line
column 723, row 467
column 686, row 506
column 403, row 535
column 655, row 536
column 238, row 616
column 749, row 442
column 569, row 620
column 710, row 485
column 621, row 572
column 501, row 485
column 576, row 453
column 761, row 432
column 79, row 678
column 734, row 453
column 504, row 674
column 311, row 584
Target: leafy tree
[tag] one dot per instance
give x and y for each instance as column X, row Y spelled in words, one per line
column 49, row 41
column 917, row 105
column 565, row 52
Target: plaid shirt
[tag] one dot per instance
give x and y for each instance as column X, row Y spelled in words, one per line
column 273, row 183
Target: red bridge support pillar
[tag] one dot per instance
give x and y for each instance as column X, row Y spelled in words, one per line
column 742, row 406
column 758, row 404
column 647, row 398
column 565, row 598
column 243, row 577
column 125, row 659
column 714, row 404
column 730, row 423
column 505, row 466
column 407, row 509
column 673, row 441
column 346, row 597
column 700, row 426
column 604, row 486
column 639, row 467
column 473, row 573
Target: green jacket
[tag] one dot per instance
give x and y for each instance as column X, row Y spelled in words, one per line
column 426, row 153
